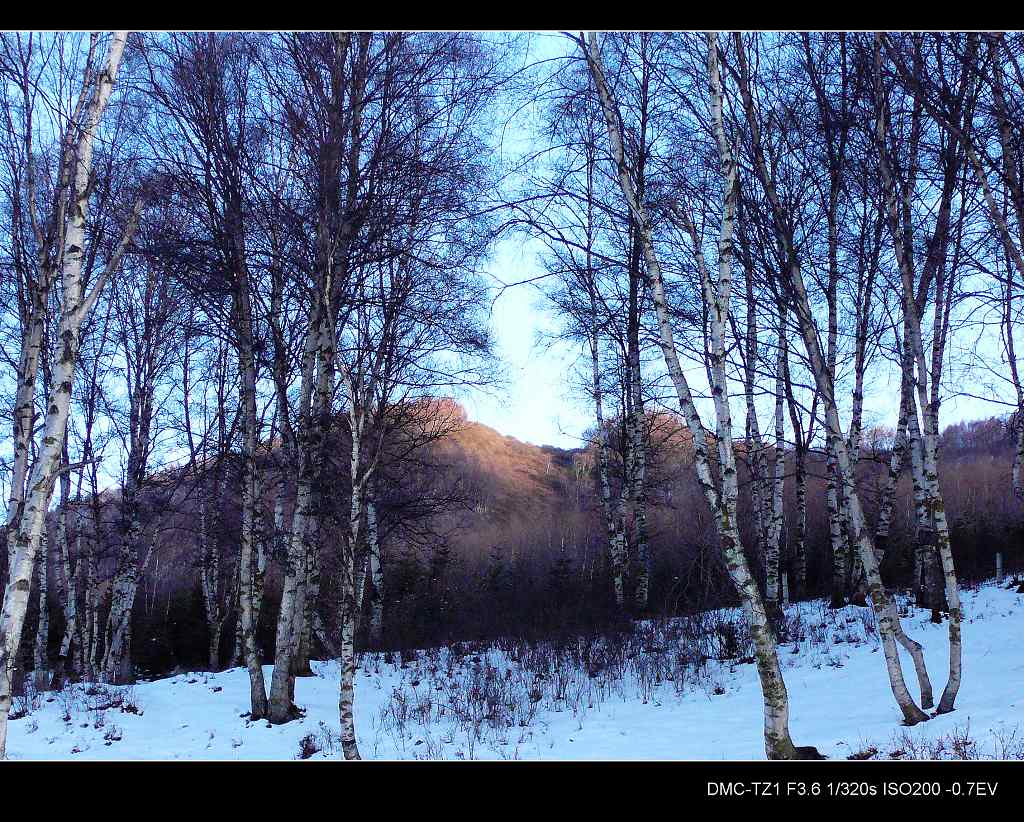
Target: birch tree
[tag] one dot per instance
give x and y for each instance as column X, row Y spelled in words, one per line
column 202, row 84
column 792, row 284
column 923, row 376
column 721, row 496
column 987, row 134
column 146, row 300
column 594, row 253
column 75, row 308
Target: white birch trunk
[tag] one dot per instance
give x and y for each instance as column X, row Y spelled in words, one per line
column 117, row 667
column 24, row 412
column 800, row 540
column 775, row 528
column 74, row 310
column 209, row 583
column 72, row 633
column 885, row 610
column 310, row 602
column 928, row 405
column 641, row 592
column 778, row 744
column 40, row 671
column 616, row 553
column 376, row 574
column 1017, row 471
column 835, row 531
column 887, row 497
column 319, row 346
column 346, row 687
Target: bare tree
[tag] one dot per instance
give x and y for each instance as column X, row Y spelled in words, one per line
column 721, row 496
column 75, row 307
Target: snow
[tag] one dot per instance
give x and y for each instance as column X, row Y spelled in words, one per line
column 472, row 702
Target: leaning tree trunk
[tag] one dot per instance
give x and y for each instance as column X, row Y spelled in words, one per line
column 74, row 310
column 793, row 282
column 889, row 628
column 778, row 744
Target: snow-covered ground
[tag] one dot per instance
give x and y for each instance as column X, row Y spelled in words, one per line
column 648, row 697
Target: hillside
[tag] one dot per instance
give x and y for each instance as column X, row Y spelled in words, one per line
column 519, row 539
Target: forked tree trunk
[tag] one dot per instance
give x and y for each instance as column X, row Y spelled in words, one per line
column 946, row 573
column 281, row 707
column 318, row 357
column 281, row 688
column 928, row 403
column 792, row 276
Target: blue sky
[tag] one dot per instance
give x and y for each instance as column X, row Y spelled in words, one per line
column 536, row 403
